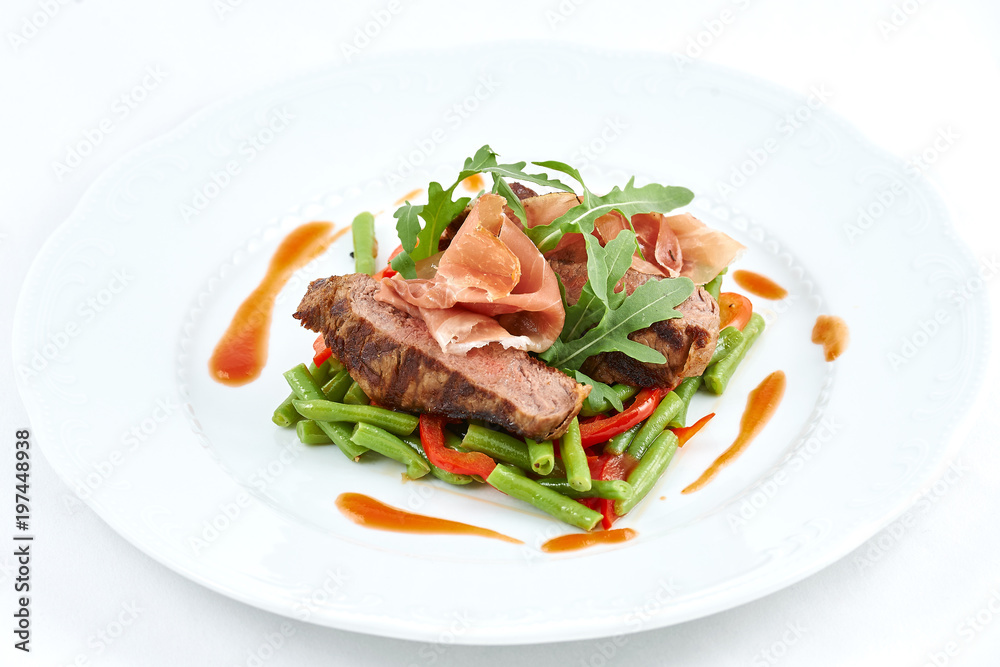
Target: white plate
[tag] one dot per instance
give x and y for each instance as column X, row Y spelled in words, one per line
column 125, row 302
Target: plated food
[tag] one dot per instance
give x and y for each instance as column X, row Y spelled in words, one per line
column 545, row 344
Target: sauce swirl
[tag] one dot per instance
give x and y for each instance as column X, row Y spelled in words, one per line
column 759, row 285
column 761, row 405
column 370, row 513
column 831, row 332
column 575, row 541
column 241, row 353
column 474, row 183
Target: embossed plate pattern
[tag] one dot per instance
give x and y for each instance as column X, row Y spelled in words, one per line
column 126, row 300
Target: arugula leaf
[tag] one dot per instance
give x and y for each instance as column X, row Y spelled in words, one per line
column 651, row 302
column 585, row 313
column 564, row 168
column 407, row 225
column 485, row 161
column 605, row 268
column 437, row 214
column 599, row 392
column 502, row 188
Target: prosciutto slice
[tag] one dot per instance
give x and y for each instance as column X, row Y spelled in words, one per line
column 492, row 285
column 676, row 245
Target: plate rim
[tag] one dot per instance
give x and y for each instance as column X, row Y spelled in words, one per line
column 958, row 427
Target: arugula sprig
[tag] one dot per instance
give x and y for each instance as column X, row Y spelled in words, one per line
column 420, row 241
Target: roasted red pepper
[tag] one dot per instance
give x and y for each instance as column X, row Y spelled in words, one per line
column 459, row 463
column 608, row 467
column 602, row 430
column 685, row 433
column 321, row 351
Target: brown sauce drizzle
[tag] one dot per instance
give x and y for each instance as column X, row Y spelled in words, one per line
column 575, row 541
column 371, row 513
column 759, row 285
column 475, row 183
column 409, row 195
column 761, row 405
column 831, row 332
column 241, row 353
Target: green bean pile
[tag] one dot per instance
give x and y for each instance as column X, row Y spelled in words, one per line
column 326, row 406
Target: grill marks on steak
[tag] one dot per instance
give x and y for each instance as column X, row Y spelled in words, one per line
column 687, row 342
column 397, row 363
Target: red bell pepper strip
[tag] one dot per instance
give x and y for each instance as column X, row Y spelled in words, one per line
column 685, row 433
column 602, row 430
column 607, row 509
column 459, row 463
column 608, row 467
column 321, row 351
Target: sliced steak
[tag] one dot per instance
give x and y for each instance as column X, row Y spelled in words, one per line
column 687, row 342
column 399, row 365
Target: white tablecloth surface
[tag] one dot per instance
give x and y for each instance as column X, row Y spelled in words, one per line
column 926, row 591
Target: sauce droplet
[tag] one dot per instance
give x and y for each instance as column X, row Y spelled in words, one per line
column 241, row 353
column 409, row 195
column 370, row 513
column 575, row 541
column 474, row 183
column 761, row 405
column 759, row 285
column 831, row 332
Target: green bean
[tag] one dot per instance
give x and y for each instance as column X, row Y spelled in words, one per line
column 356, row 395
column 501, row 447
column 685, row 390
column 498, row 446
column 571, row 449
column 310, row 433
column 397, row 423
column 506, row 480
column 451, row 478
column 340, row 433
column 664, row 412
column 718, row 376
column 305, row 387
column 614, row 489
column 649, row 470
column 365, row 250
column 592, row 406
column 452, row 441
column 387, row 444
column 729, row 339
column 714, row 286
column 285, row 414
column 542, row 456
column 325, row 370
column 618, row 444
column 337, row 387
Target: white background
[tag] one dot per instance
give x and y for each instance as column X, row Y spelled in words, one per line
column 901, row 71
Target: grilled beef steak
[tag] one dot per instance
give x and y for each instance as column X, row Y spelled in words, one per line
column 397, row 363
column 687, row 342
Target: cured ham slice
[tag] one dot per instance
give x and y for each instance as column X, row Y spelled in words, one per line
column 492, row 285
column 706, row 251
column 676, row 245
